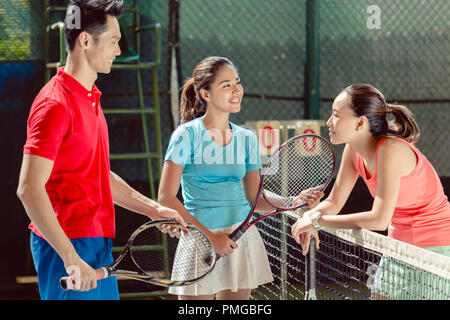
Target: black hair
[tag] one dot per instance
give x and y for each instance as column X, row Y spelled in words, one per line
column 91, row 15
column 368, row 101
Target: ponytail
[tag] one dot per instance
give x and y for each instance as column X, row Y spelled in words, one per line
column 191, row 105
column 403, row 125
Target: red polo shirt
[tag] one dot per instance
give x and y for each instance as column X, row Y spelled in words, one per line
column 66, row 125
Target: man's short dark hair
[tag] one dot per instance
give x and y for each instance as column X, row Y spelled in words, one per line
column 91, row 15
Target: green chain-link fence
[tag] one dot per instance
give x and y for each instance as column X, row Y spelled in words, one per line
column 406, row 58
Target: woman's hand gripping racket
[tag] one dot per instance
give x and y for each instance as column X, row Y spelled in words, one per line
column 188, row 258
column 303, row 162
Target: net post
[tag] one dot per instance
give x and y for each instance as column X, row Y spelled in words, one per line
column 284, row 224
column 284, row 262
column 310, row 272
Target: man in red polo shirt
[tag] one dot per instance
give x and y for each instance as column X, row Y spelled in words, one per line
column 65, row 183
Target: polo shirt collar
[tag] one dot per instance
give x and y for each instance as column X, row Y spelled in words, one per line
column 74, row 86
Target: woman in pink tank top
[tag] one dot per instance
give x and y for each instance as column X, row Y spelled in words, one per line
column 409, row 199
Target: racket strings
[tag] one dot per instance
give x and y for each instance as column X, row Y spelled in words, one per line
column 188, row 258
column 302, row 163
column 193, row 257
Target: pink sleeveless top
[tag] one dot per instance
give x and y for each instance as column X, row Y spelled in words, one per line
column 422, row 214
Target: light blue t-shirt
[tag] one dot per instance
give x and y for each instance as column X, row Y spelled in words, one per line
column 212, row 176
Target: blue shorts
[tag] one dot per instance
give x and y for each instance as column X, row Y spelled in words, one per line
column 97, row 252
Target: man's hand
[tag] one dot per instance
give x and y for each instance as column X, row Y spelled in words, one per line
column 168, row 213
column 83, row 276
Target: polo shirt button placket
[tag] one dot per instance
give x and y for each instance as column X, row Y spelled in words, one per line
column 93, row 102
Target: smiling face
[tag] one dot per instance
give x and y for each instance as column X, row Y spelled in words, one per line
column 342, row 123
column 226, row 92
column 102, row 51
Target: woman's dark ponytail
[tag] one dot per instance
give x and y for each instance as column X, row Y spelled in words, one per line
column 368, row 101
column 191, row 105
column 403, row 124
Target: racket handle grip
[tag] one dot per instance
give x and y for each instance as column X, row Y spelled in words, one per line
column 67, row 284
column 236, row 234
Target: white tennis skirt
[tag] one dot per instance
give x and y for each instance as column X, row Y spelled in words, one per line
column 246, row 268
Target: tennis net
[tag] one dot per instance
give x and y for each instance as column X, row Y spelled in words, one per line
column 350, row 264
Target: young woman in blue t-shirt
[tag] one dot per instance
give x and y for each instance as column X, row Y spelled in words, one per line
column 217, row 165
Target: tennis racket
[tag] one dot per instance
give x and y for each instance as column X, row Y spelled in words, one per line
column 303, row 162
column 187, row 260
